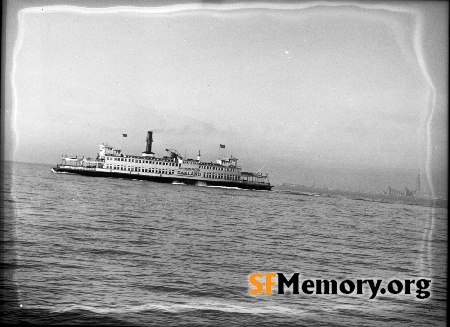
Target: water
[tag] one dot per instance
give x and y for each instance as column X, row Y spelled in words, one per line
column 85, row 250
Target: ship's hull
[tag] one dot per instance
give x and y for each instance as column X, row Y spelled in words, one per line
column 161, row 178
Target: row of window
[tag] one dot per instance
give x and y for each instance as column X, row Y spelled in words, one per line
column 217, row 168
column 162, row 163
column 221, row 176
column 165, row 163
column 142, row 170
column 172, row 172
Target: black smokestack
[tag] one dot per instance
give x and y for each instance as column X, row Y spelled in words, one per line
column 148, row 149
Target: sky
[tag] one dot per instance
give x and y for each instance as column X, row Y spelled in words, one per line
column 348, row 94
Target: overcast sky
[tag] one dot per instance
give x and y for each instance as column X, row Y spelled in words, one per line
column 315, row 91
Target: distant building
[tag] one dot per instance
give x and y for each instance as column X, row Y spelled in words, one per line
column 418, row 183
column 408, row 192
column 393, row 192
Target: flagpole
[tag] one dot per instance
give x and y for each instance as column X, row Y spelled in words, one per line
column 123, row 135
column 221, row 146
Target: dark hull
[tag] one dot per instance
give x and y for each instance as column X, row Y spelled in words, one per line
column 164, row 179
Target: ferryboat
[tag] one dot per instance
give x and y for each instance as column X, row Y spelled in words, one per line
column 172, row 168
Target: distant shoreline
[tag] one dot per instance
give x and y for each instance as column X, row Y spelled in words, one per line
column 412, row 200
column 311, row 191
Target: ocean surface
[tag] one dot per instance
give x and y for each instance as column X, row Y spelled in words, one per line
column 103, row 251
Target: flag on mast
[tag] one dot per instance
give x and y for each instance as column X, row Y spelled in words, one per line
column 222, row 146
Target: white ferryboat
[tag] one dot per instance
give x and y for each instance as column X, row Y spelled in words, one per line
column 172, row 168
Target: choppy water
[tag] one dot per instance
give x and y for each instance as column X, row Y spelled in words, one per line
column 111, row 251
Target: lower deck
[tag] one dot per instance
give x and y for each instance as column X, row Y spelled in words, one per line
column 162, row 178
